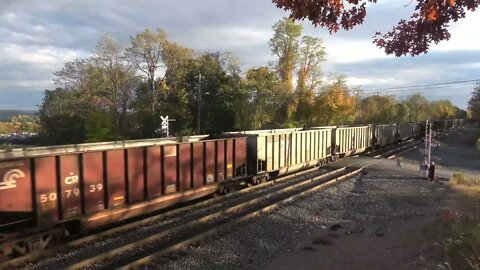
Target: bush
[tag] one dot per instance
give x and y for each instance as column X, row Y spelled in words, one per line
column 99, row 127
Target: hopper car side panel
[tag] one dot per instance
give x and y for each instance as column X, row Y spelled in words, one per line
column 15, row 194
column 92, row 180
column 69, row 185
column 46, row 194
column 136, row 174
column 405, row 131
column 116, row 188
column 351, row 140
column 283, row 152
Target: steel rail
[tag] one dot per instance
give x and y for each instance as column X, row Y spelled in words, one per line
column 191, row 224
column 240, row 219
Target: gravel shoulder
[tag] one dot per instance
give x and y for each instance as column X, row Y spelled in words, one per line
column 377, row 220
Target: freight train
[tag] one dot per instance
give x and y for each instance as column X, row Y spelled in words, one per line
column 47, row 193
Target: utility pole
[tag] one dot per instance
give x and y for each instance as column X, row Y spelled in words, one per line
column 356, row 104
column 199, row 102
column 430, row 144
column 426, row 138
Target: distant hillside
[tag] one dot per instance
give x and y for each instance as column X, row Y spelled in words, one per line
column 7, row 114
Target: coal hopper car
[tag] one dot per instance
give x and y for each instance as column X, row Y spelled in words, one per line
column 48, row 192
column 353, row 140
column 279, row 151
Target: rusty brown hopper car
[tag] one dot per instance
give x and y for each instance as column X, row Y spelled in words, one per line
column 89, row 185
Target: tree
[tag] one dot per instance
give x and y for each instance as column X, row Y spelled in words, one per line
column 120, row 81
column 145, row 53
column 442, row 109
column 79, row 75
column 261, row 84
column 311, row 54
column 428, row 24
column 285, row 44
column 335, row 105
column 474, row 102
column 378, row 109
column 418, row 107
column 63, row 114
column 178, row 62
column 212, row 103
column 403, row 112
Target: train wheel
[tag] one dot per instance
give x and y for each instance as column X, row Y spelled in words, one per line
column 40, row 241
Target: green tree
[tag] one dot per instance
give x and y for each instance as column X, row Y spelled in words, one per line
column 474, row 102
column 62, row 117
column 174, row 98
column 403, row 112
column 418, row 107
column 215, row 96
column 261, row 84
column 378, row 109
column 98, row 127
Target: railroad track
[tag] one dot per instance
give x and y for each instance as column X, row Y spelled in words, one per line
column 105, row 250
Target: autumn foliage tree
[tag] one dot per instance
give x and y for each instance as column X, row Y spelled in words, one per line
column 428, row 24
column 335, row 104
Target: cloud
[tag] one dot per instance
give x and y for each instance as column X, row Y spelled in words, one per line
column 39, row 36
column 436, row 67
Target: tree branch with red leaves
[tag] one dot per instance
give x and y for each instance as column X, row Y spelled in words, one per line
column 428, row 24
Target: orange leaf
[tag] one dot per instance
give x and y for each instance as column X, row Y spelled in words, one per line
column 432, row 13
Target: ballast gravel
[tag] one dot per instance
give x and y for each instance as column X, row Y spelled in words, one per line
column 352, row 205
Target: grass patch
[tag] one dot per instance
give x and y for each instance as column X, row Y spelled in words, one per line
column 463, row 180
column 461, row 240
column 458, row 231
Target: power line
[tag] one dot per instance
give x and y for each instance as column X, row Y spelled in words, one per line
column 412, row 87
column 425, row 89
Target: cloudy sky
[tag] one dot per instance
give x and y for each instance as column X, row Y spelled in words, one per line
column 37, row 37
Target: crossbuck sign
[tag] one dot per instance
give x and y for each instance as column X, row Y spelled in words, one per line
column 164, row 125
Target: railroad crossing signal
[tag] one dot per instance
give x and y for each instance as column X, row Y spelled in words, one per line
column 164, row 125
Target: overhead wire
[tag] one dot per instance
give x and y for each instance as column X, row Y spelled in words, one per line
column 422, row 86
